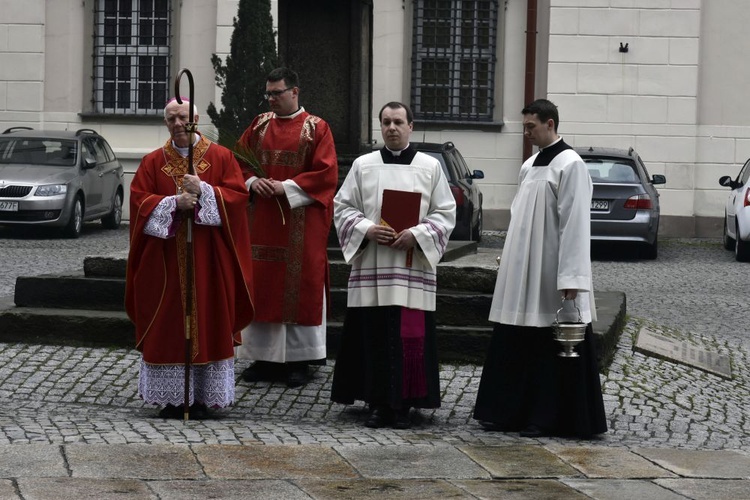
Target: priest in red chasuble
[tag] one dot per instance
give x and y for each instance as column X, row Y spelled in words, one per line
column 161, row 194
column 290, row 217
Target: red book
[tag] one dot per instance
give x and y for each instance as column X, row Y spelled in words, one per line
column 400, row 209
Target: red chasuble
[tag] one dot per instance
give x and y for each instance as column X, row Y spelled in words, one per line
column 290, row 260
column 155, row 286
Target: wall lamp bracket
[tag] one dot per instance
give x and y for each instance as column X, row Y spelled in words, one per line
column 623, row 48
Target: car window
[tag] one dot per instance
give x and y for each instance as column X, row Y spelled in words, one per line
column 611, row 170
column 99, row 151
column 52, row 152
column 461, row 163
column 744, row 173
column 108, row 150
column 643, row 166
column 88, row 151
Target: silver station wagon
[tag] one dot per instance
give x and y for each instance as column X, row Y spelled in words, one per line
column 59, row 179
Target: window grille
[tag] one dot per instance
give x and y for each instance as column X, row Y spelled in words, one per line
column 131, row 56
column 453, row 59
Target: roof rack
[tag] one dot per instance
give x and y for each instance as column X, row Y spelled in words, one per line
column 13, row 129
column 86, row 131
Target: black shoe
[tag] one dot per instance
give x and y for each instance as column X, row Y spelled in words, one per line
column 402, row 420
column 532, row 431
column 297, row 377
column 171, row 411
column 491, row 426
column 199, row 411
column 264, row 371
column 382, row 416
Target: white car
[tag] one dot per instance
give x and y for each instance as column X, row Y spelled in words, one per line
column 737, row 214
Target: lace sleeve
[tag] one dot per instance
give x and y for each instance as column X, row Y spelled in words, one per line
column 161, row 222
column 208, row 211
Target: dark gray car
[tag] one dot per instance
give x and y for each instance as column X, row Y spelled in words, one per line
column 625, row 203
column 468, row 196
column 59, row 179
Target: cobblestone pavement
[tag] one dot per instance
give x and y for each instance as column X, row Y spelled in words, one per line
column 694, row 292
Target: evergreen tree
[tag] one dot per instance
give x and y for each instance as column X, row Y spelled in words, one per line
column 242, row 77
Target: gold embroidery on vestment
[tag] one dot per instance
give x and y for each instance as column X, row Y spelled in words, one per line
column 293, row 277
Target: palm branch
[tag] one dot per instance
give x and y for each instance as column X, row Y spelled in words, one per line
column 242, row 153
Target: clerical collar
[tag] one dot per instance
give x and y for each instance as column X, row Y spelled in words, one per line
column 402, row 157
column 397, row 153
column 547, row 154
column 184, row 151
column 559, row 138
column 293, row 115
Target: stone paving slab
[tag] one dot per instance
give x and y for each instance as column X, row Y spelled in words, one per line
column 623, row 489
column 701, row 463
column 44, row 460
column 521, row 489
column 273, row 461
column 413, row 462
column 708, row 489
column 137, row 461
column 83, row 489
column 519, row 461
column 599, row 462
column 264, row 489
column 366, row 489
column 8, row 490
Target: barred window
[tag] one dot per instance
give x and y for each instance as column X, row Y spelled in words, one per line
column 131, row 56
column 453, row 59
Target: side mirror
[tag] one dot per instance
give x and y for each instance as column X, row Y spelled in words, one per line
column 477, row 174
column 89, row 163
column 658, row 179
column 727, row 181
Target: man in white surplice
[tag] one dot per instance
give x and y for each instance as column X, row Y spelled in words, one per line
column 546, row 258
column 388, row 355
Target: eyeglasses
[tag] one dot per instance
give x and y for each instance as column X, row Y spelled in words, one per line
column 275, row 93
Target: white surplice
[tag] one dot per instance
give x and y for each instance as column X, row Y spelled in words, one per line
column 379, row 275
column 547, row 248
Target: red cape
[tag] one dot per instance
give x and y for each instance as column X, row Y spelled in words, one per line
column 154, row 293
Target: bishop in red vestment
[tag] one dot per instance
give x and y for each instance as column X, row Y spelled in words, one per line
column 290, row 217
column 160, row 194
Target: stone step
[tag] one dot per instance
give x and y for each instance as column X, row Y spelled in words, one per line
column 465, row 309
column 114, row 265
column 113, row 329
column 76, row 327
column 108, row 294
column 71, row 291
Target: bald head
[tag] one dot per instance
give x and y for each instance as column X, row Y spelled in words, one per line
column 176, row 116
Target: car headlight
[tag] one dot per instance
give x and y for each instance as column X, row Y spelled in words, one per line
column 52, row 190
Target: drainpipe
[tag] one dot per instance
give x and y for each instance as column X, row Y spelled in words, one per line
column 530, row 75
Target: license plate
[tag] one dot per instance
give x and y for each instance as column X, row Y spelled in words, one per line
column 9, row 206
column 599, row 205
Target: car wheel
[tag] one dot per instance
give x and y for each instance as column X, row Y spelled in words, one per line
column 112, row 220
column 728, row 241
column 741, row 248
column 476, row 231
column 75, row 223
column 651, row 251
